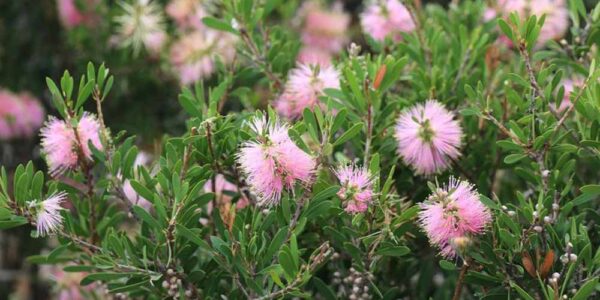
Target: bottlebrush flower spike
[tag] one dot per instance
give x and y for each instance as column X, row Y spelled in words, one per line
column 273, row 162
column 305, row 85
column 387, row 18
column 324, row 29
column 357, row 188
column 452, row 215
column 60, row 144
column 47, row 214
column 555, row 25
column 193, row 55
column 141, row 26
column 20, row 115
column 428, row 137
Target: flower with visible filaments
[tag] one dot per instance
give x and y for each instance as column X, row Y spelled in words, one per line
column 428, row 137
column 47, row 214
column 452, row 215
column 273, row 162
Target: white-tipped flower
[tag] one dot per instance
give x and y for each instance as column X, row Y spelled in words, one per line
column 141, row 26
column 47, row 214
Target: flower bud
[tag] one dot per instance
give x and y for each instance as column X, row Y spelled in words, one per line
column 547, row 219
column 572, row 257
column 512, row 213
column 538, row 229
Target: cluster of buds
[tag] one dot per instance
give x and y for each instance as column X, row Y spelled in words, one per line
column 554, row 278
column 511, row 213
column 569, row 256
column 355, row 286
column 172, row 283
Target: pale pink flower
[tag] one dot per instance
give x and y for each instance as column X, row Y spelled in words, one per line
column 223, row 191
column 273, row 162
column 66, row 284
column 356, row 188
column 188, row 14
column 452, row 215
column 60, row 144
column 48, row 219
column 193, row 56
column 20, row 115
column 142, row 159
column 71, row 15
column 387, row 18
column 556, row 11
column 88, row 130
column 324, row 29
column 428, row 137
column 304, row 86
column 314, row 56
column 569, row 85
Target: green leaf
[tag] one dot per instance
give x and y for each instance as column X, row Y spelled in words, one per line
column 521, row 291
column 446, row 265
column 287, row 263
column 218, row 24
column 350, row 133
column 586, row 289
column 104, row 277
column 192, row 237
column 394, row 251
column 146, row 217
column 513, row 158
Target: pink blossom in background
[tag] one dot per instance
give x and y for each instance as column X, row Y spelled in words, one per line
column 71, row 15
column 20, row 115
column 48, row 219
column 304, row 86
column 314, row 56
column 325, row 29
column 273, row 162
column 193, row 55
column 60, row 144
column 387, row 18
column 556, row 11
column 569, row 85
column 142, row 159
column 428, row 137
column 453, row 213
column 188, row 14
column 66, row 284
column 356, row 188
column 222, row 188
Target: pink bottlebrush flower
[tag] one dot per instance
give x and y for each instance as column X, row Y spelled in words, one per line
column 71, row 15
column 357, row 188
column 222, row 188
column 66, row 284
column 188, row 14
column 452, row 215
column 60, row 144
column 88, row 130
column 132, row 196
column 193, row 55
column 20, row 115
column 428, row 137
column 48, row 219
column 387, row 18
column 314, row 56
column 273, row 162
column 33, row 114
column 304, row 86
column 10, row 109
column 324, row 29
column 556, row 11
